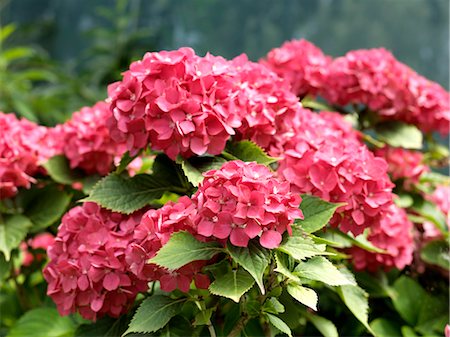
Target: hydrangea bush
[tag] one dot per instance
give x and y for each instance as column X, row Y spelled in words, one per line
column 205, row 196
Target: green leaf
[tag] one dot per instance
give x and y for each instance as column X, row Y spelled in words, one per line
column 311, row 103
column 301, row 247
column 325, row 326
column 316, row 212
column 233, row 285
column 182, row 248
column 5, row 268
column 124, row 161
column 285, row 267
column 357, row 301
column 385, row 328
column 279, row 324
column 43, row 322
column 409, row 296
column 104, row 327
column 404, row 200
column 433, row 315
column 13, row 230
column 59, row 170
column 407, row 331
column 399, row 134
column 437, row 253
column 273, row 306
column 154, row 313
column 246, row 150
column 126, row 195
column 195, row 167
column 431, row 212
column 253, row 259
column 47, row 207
column 165, row 169
column 320, row 269
column 435, row 178
column 359, row 241
column 203, row 317
column 304, row 295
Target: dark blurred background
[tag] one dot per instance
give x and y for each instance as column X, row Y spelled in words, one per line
column 64, row 52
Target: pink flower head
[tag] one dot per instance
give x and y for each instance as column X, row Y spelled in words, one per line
column 301, row 63
column 266, row 104
column 392, row 234
column 376, row 79
column 176, row 101
column 403, row 164
column 87, row 141
column 242, row 201
column 152, row 233
column 24, row 146
column 88, row 271
column 328, row 160
column 40, row 241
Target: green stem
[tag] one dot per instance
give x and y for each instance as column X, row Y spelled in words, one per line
column 239, row 326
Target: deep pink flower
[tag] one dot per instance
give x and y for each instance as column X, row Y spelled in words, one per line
column 86, row 140
column 175, row 101
column 301, row 63
column 326, row 158
column 392, row 234
column 24, row 146
column 88, row 271
column 403, row 164
column 441, row 197
column 242, row 201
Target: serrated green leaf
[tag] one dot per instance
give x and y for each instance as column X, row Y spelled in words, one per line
column 433, row 315
column 203, row 317
column 273, row 306
column 182, row 248
column 404, row 200
column 437, row 253
column 104, row 327
column 43, row 322
column 325, row 326
column 126, row 195
column 385, row 328
column 195, row 167
column 246, row 150
column 165, row 169
column 304, row 295
column 13, row 229
column 279, row 324
column 253, row 259
column 359, row 241
column 59, row 170
column 399, row 134
column 320, row 269
column 431, row 212
column 357, row 301
column 284, row 267
column 153, row 314
column 408, row 296
column 124, row 161
column 46, row 207
column 316, row 212
column 407, row 331
column 301, row 247
column 233, row 285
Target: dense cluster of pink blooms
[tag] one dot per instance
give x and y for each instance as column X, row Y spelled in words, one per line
column 88, row 271
column 403, row 164
column 376, row 79
column 302, row 64
column 178, row 102
column 393, row 233
column 86, row 141
column 242, row 201
column 152, row 233
column 24, row 146
column 40, row 241
column 325, row 158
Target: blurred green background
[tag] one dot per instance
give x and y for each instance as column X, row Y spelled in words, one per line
column 58, row 55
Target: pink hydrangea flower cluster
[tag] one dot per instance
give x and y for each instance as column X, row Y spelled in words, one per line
column 88, row 271
column 301, row 63
column 328, row 161
column 375, row 78
column 40, row 241
column 24, row 146
column 86, row 141
column 242, row 201
column 403, row 164
column 392, row 234
column 441, row 197
column 266, row 104
column 152, row 233
column 178, row 102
